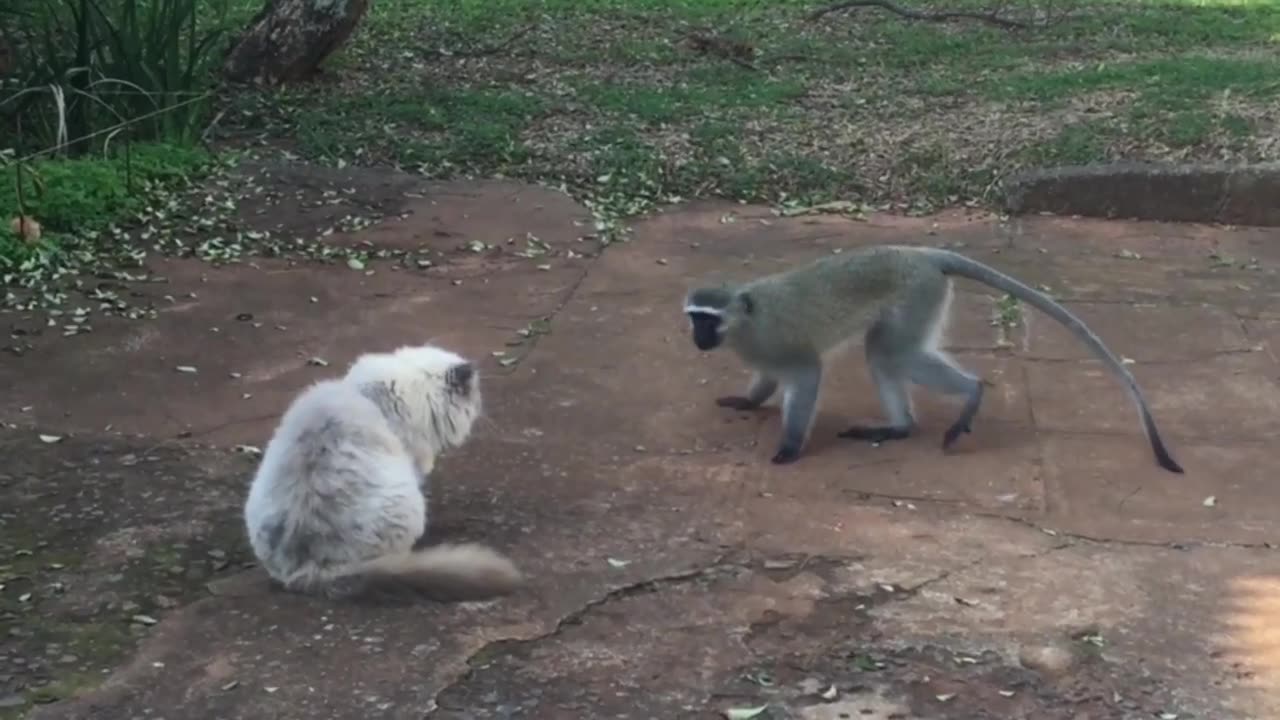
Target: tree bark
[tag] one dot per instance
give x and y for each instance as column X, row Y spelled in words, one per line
column 289, row 39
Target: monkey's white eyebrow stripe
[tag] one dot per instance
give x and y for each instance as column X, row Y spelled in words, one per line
column 703, row 309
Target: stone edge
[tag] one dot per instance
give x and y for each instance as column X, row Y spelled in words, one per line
column 1204, row 193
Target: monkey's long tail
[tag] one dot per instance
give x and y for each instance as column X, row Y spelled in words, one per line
column 951, row 263
column 441, row 572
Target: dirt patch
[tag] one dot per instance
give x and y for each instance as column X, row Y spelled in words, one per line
column 245, row 331
column 1229, row 194
column 800, row 654
column 101, row 538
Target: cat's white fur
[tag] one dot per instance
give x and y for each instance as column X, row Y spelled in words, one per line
column 339, row 498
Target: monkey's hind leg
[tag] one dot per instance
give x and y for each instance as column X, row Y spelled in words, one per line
column 761, row 389
column 890, row 378
column 936, row 371
column 799, row 405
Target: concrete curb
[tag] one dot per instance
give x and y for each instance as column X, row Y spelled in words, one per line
column 1209, row 193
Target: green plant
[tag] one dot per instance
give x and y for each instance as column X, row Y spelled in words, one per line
column 88, row 66
column 86, row 194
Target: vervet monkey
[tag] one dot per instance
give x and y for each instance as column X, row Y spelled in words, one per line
column 898, row 299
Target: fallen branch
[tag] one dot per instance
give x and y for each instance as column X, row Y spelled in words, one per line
column 484, row 51
column 990, row 18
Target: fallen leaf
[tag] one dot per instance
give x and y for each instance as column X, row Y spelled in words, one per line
column 26, row 227
column 836, row 206
column 744, row 713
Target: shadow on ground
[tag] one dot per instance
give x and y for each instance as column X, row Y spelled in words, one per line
column 1044, row 569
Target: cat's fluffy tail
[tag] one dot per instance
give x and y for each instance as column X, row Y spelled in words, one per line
column 441, row 572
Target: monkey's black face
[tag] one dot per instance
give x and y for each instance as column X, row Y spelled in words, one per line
column 706, row 330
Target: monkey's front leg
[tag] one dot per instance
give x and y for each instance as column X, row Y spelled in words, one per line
column 799, row 406
column 761, row 389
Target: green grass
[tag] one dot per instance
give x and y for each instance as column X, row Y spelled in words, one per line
column 75, row 199
column 608, row 96
column 697, row 92
column 477, row 128
column 90, row 192
column 1184, row 80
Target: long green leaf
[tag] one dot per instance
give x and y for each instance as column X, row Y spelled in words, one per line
column 163, row 51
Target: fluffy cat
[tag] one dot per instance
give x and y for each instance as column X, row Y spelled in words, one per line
column 339, row 498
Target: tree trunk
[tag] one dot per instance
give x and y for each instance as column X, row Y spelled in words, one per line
column 289, row 39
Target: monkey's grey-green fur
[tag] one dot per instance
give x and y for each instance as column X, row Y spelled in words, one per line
column 898, row 299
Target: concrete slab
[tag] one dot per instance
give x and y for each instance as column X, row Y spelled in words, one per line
column 1225, row 397
column 1097, row 486
column 1043, row 568
column 1154, row 332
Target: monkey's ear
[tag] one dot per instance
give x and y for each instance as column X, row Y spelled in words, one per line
column 748, row 303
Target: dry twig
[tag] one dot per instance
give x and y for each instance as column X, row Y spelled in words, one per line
column 484, row 51
column 991, row 18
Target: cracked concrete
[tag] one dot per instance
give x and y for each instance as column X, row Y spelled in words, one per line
column 675, row 572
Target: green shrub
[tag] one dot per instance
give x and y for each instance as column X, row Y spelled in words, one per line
column 89, row 192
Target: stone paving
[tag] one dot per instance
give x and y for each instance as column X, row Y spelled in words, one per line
column 1044, row 568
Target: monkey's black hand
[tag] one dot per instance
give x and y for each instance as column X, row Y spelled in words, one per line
column 875, row 433
column 786, row 455
column 953, row 433
column 736, row 402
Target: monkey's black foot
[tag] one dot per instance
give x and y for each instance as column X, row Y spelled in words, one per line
column 953, row 433
column 736, row 402
column 786, row 455
column 875, row 433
